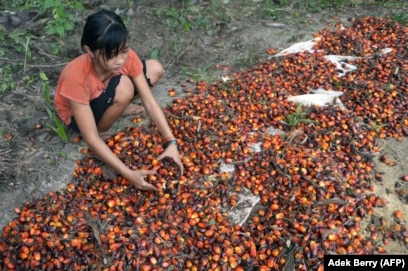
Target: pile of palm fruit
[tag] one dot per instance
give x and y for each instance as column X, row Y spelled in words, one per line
column 312, row 178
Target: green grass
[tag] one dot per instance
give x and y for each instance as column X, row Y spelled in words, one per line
column 302, row 8
column 199, row 75
column 58, row 19
column 401, row 17
column 297, row 117
column 57, row 126
column 187, row 19
column 184, row 20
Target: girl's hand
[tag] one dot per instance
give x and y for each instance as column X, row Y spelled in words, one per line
column 136, row 177
column 172, row 152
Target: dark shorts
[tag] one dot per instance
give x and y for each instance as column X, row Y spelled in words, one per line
column 101, row 104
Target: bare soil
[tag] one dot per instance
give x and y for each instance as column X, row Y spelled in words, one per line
column 234, row 40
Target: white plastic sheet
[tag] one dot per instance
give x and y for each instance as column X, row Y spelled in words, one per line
column 300, row 47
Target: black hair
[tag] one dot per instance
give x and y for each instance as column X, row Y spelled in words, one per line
column 105, row 31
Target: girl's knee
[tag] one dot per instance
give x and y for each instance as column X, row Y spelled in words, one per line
column 154, row 70
column 125, row 91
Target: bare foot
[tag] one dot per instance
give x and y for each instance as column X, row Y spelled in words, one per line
column 133, row 109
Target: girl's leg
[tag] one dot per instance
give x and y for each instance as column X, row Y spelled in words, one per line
column 125, row 93
column 123, row 97
column 154, row 71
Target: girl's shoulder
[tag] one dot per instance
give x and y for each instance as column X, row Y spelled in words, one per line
column 78, row 66
column 133, row 65
column 132, row 54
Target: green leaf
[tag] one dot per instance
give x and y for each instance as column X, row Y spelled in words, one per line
column 61, row 31
column 154, row 54
column 59, row 127
column 43, row 76
column 187, row 26
column 69, row 26
column 46, row 5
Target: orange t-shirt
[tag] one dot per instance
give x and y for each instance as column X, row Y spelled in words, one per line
column 79, row 82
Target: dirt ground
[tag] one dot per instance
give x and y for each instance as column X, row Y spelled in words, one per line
column 236, row 39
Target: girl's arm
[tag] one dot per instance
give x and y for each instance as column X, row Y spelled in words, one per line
column 87, row 126
column 156, row 114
